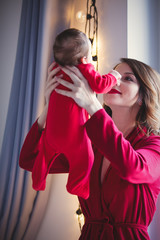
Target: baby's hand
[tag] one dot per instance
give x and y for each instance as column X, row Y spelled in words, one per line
column 117, row 75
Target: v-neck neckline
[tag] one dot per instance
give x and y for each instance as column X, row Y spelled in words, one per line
column 130, row 137
column 101, row 183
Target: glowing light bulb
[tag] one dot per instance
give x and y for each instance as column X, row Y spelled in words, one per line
column 81, row 16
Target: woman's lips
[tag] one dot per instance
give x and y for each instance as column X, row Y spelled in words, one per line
column 114, row 91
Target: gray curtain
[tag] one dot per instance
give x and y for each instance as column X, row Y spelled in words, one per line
column 19, row 203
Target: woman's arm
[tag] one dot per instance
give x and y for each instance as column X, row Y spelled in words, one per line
column 51, row 84
column 30, row 150
column 137, row 161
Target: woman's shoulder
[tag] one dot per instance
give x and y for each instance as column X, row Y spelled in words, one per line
column 152, row 139
column 139, row 138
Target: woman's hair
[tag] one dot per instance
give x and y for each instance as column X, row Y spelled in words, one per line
column 70, row 46
column 149, row 80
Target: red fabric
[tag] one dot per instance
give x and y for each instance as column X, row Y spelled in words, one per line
column 65, row 133
column 98, row 83
column 123, row 206
column 31, row 148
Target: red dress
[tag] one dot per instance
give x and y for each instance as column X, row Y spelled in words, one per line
column 123, row 206
column 65, row 133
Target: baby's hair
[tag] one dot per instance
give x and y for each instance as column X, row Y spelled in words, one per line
column 70, row 46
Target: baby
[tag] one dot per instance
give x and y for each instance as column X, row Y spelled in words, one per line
column 65, row 131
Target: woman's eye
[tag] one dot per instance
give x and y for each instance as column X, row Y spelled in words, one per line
column 128, row 79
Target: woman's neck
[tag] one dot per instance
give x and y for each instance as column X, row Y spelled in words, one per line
column 124, row 119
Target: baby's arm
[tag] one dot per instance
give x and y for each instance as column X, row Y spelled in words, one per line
column 99, row 83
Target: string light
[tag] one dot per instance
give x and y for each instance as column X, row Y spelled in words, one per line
column 91, row 28
column 81, row 16
column 80, row 216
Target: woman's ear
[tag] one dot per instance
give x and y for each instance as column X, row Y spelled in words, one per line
column 84, row 60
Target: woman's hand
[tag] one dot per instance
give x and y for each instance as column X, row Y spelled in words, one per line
column 80, row 92
column 51, row 84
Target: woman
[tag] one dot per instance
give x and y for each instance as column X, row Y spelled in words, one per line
column 125, row 178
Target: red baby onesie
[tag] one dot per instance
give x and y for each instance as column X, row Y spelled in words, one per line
column 65, row 133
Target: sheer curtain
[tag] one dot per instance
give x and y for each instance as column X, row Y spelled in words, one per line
column 19, row 204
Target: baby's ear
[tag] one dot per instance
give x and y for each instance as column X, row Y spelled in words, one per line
column 84, row 60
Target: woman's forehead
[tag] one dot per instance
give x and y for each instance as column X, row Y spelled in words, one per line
column 123, row 67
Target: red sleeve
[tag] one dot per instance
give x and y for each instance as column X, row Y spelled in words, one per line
column 140, row 164
column 30, row 151
column 98, row 83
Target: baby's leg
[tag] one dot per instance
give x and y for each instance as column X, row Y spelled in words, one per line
column 80, row 160
column 42, row 165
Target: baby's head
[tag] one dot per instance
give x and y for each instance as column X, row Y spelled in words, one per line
column 72, row 47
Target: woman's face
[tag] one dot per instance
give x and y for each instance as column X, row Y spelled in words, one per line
column 126, row 93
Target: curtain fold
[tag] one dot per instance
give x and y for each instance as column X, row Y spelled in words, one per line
column 18, row 201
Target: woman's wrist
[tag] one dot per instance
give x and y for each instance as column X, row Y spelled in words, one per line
column 42, row 118
column 94, row 107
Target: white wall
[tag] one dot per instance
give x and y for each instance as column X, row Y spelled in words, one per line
column 143, row 31
column 9, row 27
column 112, row 33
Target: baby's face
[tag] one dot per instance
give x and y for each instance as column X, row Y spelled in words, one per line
column 89, row 56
